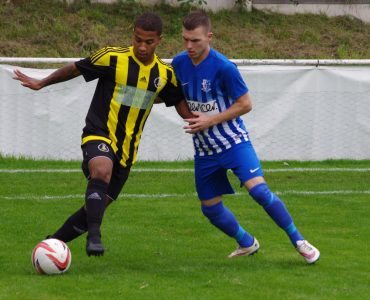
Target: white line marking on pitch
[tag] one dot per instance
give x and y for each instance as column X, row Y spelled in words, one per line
column 188, row 170
column 150, row 196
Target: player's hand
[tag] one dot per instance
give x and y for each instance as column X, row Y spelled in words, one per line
column 32, row 83
column 199, row 123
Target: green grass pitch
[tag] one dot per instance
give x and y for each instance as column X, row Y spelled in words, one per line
column 160, row 246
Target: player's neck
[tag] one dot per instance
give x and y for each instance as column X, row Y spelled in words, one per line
column 148, row 62
column 198, row 60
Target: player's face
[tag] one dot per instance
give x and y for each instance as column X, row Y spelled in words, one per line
column 145, row 43
column 197, row 43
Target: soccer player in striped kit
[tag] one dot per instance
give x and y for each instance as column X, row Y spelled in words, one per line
column 130, row 80
column 218, row 96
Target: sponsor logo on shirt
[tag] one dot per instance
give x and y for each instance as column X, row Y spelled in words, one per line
column 210, row 107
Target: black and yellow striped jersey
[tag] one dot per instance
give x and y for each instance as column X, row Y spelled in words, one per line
column 124, row 96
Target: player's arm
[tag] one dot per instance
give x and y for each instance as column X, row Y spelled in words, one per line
column 183, row 110
column 202, row 121
column 64, row 73
column 158, row 100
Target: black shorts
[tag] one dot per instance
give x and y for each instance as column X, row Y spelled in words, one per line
column 119, row 173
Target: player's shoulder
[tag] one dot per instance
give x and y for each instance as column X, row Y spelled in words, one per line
column 109, row 51
column 162, row 63
column 220, row 58
column 222, row 63
column 180, row 57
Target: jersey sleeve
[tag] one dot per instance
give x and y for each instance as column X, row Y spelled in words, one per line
column 99, row 65
column 172, row 93
column 233, row 81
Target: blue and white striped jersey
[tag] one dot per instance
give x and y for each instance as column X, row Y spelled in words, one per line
column 212, row 87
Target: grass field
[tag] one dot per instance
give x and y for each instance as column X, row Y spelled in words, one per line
column 159, row 246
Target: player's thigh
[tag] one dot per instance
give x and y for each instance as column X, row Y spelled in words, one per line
column 210, row 178
column 98, row 160
column 243, row 161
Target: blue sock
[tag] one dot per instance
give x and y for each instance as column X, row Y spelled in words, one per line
column 276, row 210
column 223, row 219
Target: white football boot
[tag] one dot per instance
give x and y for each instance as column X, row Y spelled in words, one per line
column 309, row 252
column 240, row 251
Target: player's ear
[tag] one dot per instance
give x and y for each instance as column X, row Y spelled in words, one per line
column 158, row 40
column 210, row 35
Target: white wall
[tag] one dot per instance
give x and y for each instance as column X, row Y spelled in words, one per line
column 360, row 10
column 299, row 113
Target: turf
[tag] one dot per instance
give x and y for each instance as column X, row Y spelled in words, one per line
column 159, row 245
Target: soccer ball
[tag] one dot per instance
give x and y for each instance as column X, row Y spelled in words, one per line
column 51, row 256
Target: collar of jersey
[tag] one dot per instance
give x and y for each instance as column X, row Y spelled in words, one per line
column 140, row 63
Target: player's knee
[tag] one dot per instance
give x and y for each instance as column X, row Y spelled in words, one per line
column 101, row 173
column 96, row 185
column 262, row 194
column 212, row 212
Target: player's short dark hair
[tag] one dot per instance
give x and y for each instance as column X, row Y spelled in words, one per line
column 196, row 19
column 149, row 22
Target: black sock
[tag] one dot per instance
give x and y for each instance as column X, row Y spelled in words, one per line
column 95, row 206
column 73, row 227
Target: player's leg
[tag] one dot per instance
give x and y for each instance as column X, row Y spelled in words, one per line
column 276, row 209
column 107, row 178
column 117, row 180
column 246, row 166
column 77, row 223
column 100, row 169
column 250, row 174
column 211, row 183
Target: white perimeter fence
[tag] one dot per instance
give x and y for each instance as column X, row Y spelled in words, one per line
column 302, row 110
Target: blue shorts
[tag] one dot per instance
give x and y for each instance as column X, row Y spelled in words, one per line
column 211, row 170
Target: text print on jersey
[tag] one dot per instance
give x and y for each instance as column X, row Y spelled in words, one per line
column 210, row 107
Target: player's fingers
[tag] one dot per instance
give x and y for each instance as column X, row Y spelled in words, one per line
column 191, row 131
column 196, row 113
column 192, row 120
column 192, row 125
column 18, row 73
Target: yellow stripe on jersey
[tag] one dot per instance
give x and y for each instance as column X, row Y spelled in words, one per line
column 112, row 123
column 130, row 125
column 132, row 88
column 100, row 57
column 95, row 138
column 141, row 99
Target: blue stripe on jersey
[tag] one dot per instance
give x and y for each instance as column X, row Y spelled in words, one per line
column 212, row 87
column 212, row 134
column 204, row 146
column 229, row 139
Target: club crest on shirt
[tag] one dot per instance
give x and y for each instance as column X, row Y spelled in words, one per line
column 103, row 147
column 206, row 85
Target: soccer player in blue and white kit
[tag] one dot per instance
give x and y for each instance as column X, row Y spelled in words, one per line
column 217, row 97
